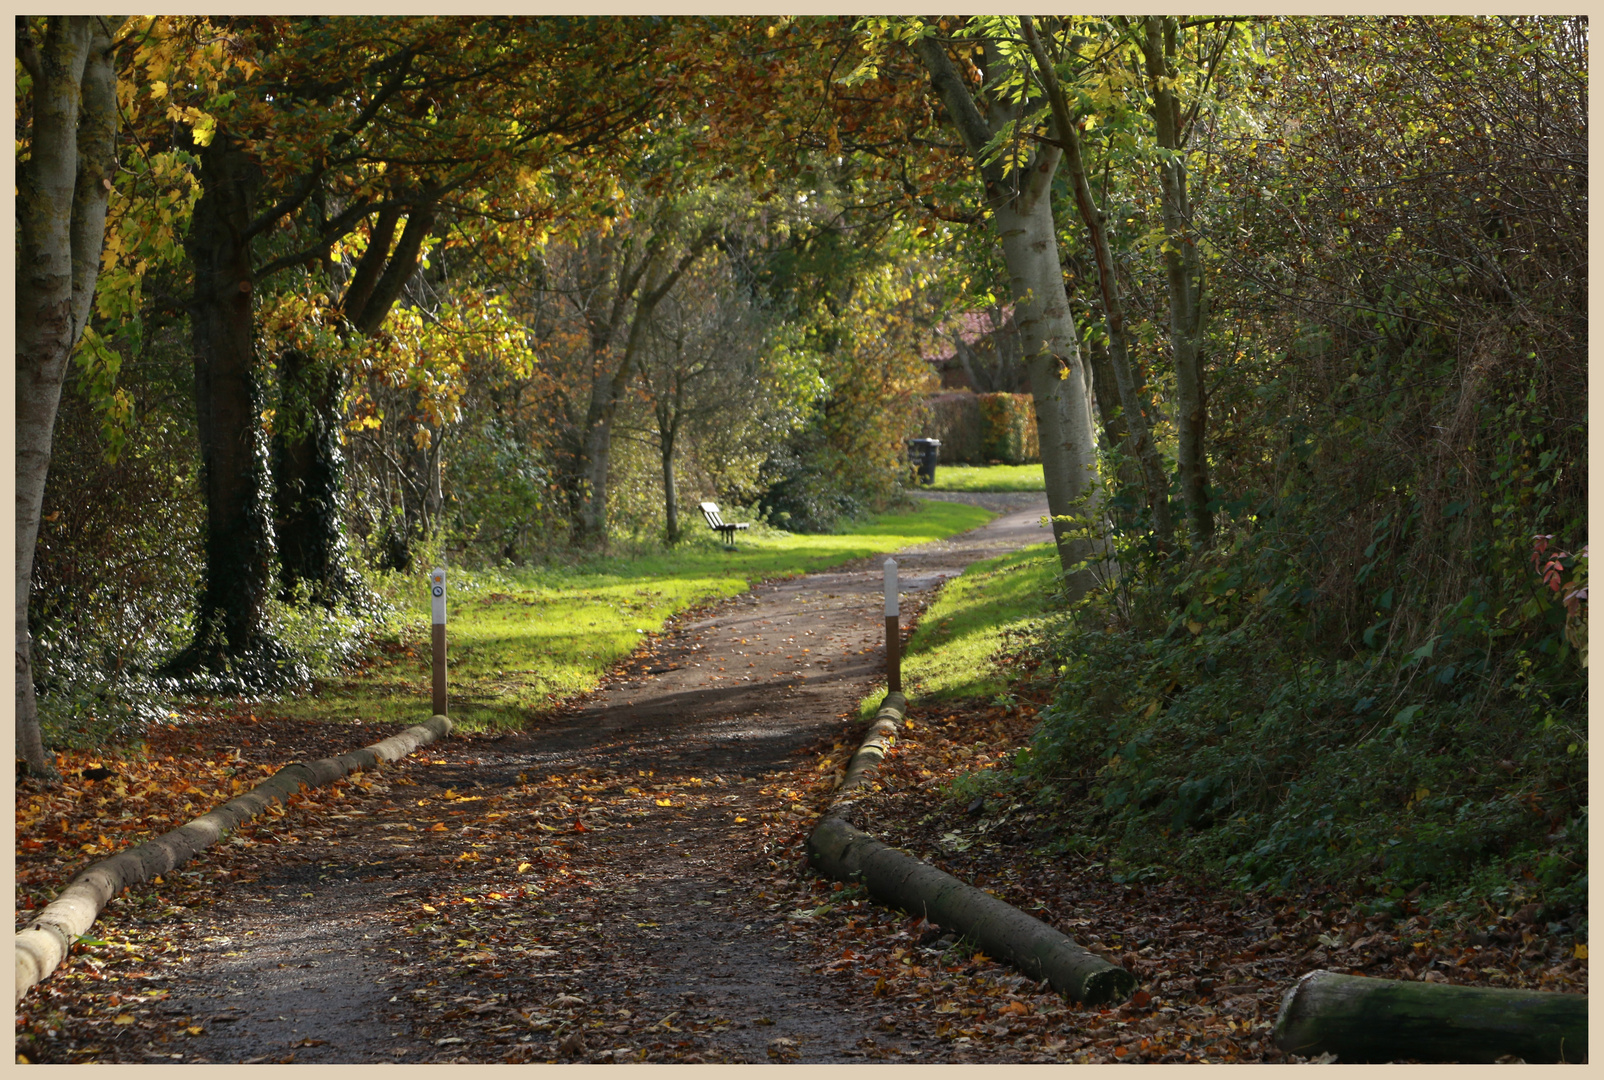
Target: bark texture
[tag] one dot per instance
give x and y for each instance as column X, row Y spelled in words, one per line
column 230, row 626
column 61, row 222
column 1000, row 930
column 1060, row 382
column 1359, row 1020
column 43, row 943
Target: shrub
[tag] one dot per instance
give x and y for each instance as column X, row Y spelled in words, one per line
column 977, row 429
column 955, row 419
column 1008, row 429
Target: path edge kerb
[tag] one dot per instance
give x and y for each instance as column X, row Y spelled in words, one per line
column 1001, row 930
column 42, row 945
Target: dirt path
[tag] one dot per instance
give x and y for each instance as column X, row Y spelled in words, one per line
column 635, row 926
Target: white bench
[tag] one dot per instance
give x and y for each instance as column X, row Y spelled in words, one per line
column 716, row 522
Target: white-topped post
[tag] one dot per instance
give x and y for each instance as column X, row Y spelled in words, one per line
column 893, row 630
column 437, row 596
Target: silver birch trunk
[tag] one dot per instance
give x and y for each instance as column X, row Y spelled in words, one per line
column 61, row 223
column 1060, row 383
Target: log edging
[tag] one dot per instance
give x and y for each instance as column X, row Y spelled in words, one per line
column 1361, row 1019
column 877, row 742
column 894, row 877
column 42, row 945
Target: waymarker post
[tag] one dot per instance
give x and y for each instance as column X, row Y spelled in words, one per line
column 893, row 631
column 437, row 593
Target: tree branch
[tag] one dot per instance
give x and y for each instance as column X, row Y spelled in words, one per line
column 97, row 160
column 368, row 268
column 28, row 50
column 307, row 184
column 420, row 221
column 331, row 232
column 961, row 109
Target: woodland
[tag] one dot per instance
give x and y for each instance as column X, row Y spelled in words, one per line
column 308, row 305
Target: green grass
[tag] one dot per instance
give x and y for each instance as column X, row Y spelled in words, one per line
column 950, row 654
column 521, row 640
column 988, row 478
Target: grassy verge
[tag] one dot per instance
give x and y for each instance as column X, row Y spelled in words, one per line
column 950, row 654
column 989, row 478
column 523, row 640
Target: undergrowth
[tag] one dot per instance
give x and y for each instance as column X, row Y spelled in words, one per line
column 1200, row 725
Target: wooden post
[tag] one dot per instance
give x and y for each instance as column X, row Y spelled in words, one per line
column 893, row 631
column 437, row 593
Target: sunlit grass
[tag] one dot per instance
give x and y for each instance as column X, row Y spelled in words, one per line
column 951, row 652
column 522, row 640
column 988, row 478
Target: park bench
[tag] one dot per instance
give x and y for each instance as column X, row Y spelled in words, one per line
column 716, row 522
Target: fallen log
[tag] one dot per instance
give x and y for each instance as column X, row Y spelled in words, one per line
column 1360, row 1019
column 896, row 878
column 1001, row 930
column 43, row 943
column 879, row 739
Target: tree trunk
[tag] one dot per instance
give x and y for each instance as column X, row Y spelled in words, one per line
column 231, row 620
column 309, row 460
column 598, row 456
column 1137, row 408
column 1361, row 1020
column 671, row 527
column 1183, row 273
column 61, row 219
column 1111, row 411
column 1059, row 383
column 608, row 386
column 309, row 482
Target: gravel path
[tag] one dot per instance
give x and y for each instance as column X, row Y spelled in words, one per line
column 661, row 943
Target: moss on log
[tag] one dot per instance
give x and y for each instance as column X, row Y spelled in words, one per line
column 43, row 943
column 1360, row 1019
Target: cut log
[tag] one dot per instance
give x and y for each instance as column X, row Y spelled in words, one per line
column 899, row 879
column 1000, row 930
column 880, row 737
column 1359, row 1020
column 43, row 943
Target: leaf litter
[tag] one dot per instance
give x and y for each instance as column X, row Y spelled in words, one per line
column 623, row 902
